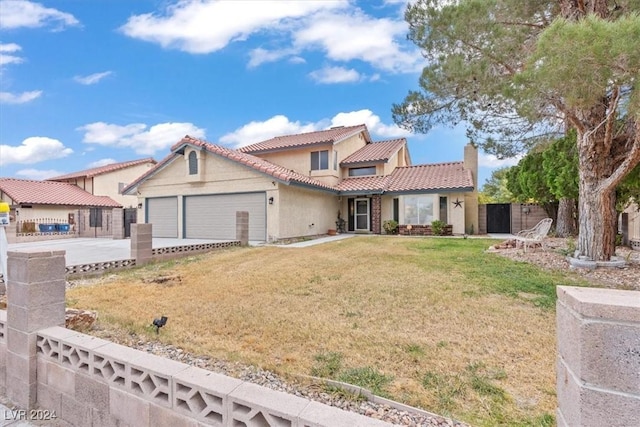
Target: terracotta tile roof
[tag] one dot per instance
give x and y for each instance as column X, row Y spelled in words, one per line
column 88, row 173
column 278, row 172
column 329, row 136
column 438, row 176
column 362, row 184
column 375, row 152
column 25, row 191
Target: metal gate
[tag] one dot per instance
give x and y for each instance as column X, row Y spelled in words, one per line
column 499, row 218
column 129, row 217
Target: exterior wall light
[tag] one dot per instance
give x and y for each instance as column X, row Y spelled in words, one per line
column 270, row 200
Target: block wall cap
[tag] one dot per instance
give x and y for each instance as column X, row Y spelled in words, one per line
column 35, row 253
column 602, row 304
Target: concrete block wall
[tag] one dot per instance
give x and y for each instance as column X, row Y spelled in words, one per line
column 598, row 364
column 118, row 223
column 89, row 380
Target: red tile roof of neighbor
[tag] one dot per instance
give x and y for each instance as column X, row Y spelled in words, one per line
column 88, row 173
column 278, row 172
column 329, row 136
column 375, row 152
column 23, row 191
column 437, row 176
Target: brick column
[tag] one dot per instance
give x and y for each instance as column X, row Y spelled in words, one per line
column 117, row 222
column 598, row 365
column 242, row 227
column 141, row 243
column 35, row 300
column 376, row 213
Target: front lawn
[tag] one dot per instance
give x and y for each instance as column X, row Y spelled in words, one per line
column 432, row 322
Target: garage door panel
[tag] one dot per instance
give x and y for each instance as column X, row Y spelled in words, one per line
column 214, row 216
column 162, row 213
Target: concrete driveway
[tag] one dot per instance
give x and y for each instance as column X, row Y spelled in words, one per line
column 93, row 250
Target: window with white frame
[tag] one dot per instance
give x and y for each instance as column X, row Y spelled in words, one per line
column 418, row 209
column 319, row 160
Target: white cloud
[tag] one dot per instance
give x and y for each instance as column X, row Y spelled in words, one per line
column 357, row 36
column 37, row 174
column 138, row 136
column 21, row 98
column 5, row 50
column 328, row 75
column 337, row 27
column 22, row 13
column 373, row 122
column 92, row 78
column 491, row 161
column 281, row 125
column 34, row 149
column 260, row 131
column 205, row 27
column 101, row 162
column 261, row 56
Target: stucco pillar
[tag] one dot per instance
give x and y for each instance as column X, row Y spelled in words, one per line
column 242, row 227
column 117, row 222
column 141, row 243
column 35, row 300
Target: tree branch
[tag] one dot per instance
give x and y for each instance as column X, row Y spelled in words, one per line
column 631, row 161
column 611, row 119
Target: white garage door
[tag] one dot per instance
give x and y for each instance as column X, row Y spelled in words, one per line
column 162, row 212
column 214, row 216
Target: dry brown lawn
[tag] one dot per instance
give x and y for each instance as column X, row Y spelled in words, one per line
column 461, row 332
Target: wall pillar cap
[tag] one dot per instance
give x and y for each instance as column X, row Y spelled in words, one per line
column 602, row 304
column 35, row 253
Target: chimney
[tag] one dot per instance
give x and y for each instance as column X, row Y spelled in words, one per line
column 471, row 162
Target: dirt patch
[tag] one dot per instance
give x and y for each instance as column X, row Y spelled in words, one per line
column 554, row 258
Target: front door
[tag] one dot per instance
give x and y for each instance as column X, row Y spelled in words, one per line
column 362, row 215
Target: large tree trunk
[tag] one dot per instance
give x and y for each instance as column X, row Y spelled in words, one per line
column 566, row 225
column 597, row 222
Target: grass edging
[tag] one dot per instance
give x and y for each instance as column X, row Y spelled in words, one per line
column 357, row 390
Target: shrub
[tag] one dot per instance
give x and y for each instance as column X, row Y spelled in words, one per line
column 437, row 227
column 390, row 226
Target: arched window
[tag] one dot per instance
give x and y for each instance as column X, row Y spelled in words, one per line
column 193, row 163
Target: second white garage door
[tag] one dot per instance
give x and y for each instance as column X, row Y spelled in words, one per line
column 214, row 216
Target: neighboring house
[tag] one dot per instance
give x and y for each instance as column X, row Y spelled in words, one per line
column 633, row 224
column 35, row 203
column 295, row 185
column 109, row 180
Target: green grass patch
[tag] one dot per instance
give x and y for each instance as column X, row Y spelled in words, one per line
column 368, row 378
column 490, row 272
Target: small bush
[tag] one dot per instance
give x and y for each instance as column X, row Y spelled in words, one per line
column 437, row 227
column 390, row 226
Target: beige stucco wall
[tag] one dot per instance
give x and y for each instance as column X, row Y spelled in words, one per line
column 59, row 213
column 300, row 159
column 306, row 212
column 219, row 176
column 107, row 184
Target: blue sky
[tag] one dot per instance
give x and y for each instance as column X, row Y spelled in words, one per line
column 87, row 83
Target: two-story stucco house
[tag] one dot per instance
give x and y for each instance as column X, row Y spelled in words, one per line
column 295, row 185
